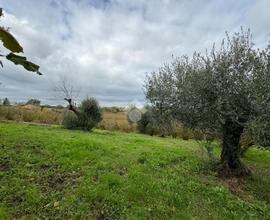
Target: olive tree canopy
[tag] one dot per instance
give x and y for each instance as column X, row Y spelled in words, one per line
column 221, row 92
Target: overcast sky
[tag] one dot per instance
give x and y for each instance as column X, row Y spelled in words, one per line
column 106, row 47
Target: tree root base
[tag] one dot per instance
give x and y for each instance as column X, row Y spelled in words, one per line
column 225, row 170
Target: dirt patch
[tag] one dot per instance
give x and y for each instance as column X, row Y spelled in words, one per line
column 236, row 186
column 30, row 107
column 122, row 171
column 243, row 188
column 45, row 167
column 57, row 181
column 100, row 212
column 4, row 167
column 101, row 215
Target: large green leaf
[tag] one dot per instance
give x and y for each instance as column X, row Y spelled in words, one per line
column 24, row 62
column 9, row 41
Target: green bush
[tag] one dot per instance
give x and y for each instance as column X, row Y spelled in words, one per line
column 261, row 132
column 153, row 124
column 185, row 134
column 70, row 120
column 90, row 110
column 87, row 117
column 144, row 122
column 147, row 124
column 246, row 141
column 86, row 123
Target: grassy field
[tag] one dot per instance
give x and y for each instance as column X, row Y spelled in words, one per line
column 47, row 172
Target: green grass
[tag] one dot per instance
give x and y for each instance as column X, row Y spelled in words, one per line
column 47, row 172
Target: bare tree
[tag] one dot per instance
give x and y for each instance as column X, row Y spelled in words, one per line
column 69, row 92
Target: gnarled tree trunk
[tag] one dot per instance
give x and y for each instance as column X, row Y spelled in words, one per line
column 230, row 164
column 71, row 107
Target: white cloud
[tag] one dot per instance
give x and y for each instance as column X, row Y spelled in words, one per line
column 107, row 46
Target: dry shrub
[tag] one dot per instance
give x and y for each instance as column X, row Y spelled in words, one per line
column 148, row 125
column 180, row 131
column 185, row 133
column 3, row 112
column 116, row 122
column 49, row 116
column 28, row 116
column 13, row 114
column 31, row 114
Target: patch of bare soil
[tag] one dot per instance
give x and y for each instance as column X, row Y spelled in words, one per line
column 244, row 188
column 236, row 186
column 30, row 107
column 58, row 181
column 4, row 167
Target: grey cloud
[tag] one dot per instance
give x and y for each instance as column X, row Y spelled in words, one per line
column 106, row 47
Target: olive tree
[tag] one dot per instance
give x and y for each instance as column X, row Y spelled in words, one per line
column 85, row 117
column 220, row 93
column 260, row 124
